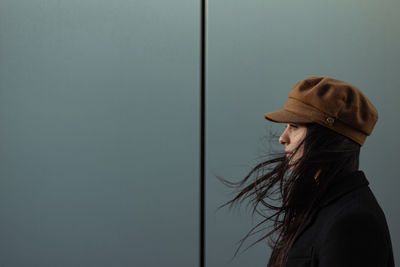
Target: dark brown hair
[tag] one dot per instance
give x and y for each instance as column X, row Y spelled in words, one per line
column 325, row 152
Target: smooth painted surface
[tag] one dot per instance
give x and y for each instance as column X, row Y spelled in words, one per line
column 99, row 133
column 258, row 50
column 99, row 119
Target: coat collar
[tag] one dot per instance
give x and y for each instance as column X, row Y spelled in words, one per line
column 344, row 185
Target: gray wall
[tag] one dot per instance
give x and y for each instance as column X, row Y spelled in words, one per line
column 258, row 50
column 99, row 119
column 99, row 133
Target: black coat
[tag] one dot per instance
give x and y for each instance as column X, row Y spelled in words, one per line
column 347, row 229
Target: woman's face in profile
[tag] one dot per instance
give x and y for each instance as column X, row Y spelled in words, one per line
column 291, row 137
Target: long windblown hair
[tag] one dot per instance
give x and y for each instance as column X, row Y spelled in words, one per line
column 297, row 188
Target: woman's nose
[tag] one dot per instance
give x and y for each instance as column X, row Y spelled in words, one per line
column 283, row 138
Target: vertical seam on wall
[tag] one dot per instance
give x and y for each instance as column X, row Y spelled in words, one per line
column 203, row 32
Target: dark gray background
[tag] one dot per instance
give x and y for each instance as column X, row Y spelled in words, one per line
column 99, row 119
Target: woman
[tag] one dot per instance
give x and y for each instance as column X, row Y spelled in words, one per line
column 327, row 215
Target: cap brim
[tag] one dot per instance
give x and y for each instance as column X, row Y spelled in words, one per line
column 285, row 116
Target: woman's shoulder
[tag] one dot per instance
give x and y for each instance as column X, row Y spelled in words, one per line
column 353, row 225
column 351, row 201
column 347, row 224
column 356, row 232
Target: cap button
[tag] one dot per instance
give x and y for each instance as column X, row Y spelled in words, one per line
column 330, row 120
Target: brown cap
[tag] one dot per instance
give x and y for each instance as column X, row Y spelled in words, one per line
column 332, row 103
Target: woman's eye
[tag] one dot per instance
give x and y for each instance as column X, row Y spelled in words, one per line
column 293, row 126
